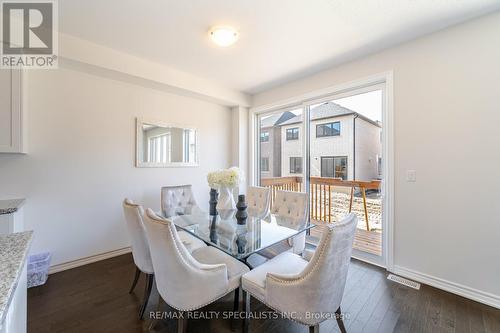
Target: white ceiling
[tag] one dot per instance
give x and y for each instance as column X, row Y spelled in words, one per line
column 280, row 40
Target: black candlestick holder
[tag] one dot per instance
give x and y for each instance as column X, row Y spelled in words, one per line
column 214, row 196
column 241, row 206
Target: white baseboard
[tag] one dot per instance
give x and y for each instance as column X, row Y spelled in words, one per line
column 452, row 287
column 88, row 260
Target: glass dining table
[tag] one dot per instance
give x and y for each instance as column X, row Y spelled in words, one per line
column 239, row 240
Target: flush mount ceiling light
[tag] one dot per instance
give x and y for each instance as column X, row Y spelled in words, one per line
column 223, row 35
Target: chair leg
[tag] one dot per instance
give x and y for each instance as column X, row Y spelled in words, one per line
column 246, row 309
column 147, row 292
column 154, row 319
column 236, row 299
column 136, row 278
column 236, row 306
column 314, row 329
column 182, row 323
column 340, row 322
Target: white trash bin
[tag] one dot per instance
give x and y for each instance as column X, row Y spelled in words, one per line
column 38, row 269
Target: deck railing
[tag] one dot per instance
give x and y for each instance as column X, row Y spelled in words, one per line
column 283, row 184
column 321, row 192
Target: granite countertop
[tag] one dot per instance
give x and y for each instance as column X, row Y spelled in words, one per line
column 13, row 252
column 10, row 206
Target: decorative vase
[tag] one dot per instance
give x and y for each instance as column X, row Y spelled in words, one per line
column 226, row 214
column 213, row 201
column 241, row 214
column 226, row 199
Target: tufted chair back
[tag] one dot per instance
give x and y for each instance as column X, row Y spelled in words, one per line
column 177, row 200
column 290, row 210
column 258, row 200
column 181, row 280
column 322, row 280
column 135, row 225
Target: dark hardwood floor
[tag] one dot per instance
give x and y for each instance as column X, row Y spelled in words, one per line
column 94, row 298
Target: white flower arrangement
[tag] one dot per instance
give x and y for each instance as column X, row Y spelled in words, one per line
column 225, row 178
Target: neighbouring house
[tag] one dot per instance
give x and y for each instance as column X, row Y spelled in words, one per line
column 270, row 143
column 344, row 144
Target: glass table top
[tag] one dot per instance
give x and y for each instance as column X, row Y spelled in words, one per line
column 237, row 240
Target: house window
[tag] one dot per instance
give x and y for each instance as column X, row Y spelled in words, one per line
column 295, row 164
column 264, row 137
column 264, row 164
column 329, row 129
column 334, row 167
column 292, row 133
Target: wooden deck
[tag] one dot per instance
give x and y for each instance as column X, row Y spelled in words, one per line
column 325, row 198
column 366, row 241
column 328, row 204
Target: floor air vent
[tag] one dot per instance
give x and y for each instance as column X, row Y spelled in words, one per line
column 403, row 281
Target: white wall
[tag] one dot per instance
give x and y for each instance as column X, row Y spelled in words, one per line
column 81, row 161
column 446, row 116
column 239, row 142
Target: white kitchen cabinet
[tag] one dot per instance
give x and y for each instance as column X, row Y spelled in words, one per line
column 11, row 216
column 13, row 222
column 16, row 317
column 12, row 117
column 14, row 250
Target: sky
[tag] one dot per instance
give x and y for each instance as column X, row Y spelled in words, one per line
column 368, row 104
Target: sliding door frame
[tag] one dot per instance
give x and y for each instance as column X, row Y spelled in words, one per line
column 334, row 92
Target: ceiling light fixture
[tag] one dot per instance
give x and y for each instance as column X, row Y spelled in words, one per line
column 223, row 35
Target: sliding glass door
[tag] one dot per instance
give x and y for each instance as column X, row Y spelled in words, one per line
column 331, row 148
column 345, row 149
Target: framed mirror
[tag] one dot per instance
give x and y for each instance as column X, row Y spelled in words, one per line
column 161, row 145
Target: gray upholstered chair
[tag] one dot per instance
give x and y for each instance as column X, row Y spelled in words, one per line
column 290, row 210
column 134, row 214
column 258, row 201
column 188, row 281
column 290, row 284
column 177, row 200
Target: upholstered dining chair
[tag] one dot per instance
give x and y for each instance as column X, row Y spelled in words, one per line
column 188, row 281
column 177, row 200
column 290, row 210
column 258, row 201
column 134, row 214
column 288, row 283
